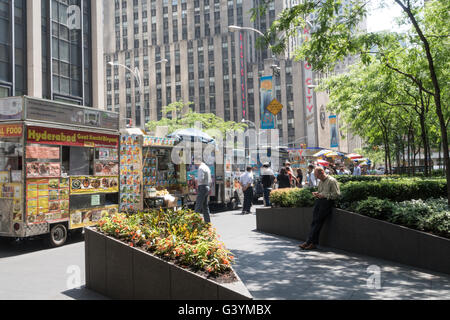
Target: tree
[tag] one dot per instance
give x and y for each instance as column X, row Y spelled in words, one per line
column 181, row 116
column 337, row 35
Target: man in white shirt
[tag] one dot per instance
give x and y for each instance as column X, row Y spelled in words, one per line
column 246, row 182
column 311, row 178
column 204, row 187
column 357, row 170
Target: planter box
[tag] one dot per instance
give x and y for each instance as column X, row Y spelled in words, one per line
column 362, row 235
column 119, row 271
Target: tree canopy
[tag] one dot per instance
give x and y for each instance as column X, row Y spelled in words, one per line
column 399, row 91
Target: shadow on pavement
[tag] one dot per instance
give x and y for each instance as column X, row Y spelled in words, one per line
column 277, row 269
column 24, row 246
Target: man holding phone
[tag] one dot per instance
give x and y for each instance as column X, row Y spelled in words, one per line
column 328, row 192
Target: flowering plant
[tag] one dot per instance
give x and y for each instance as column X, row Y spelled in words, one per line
column 180, row 236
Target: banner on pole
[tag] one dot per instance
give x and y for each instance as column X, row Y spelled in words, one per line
column 266, row 91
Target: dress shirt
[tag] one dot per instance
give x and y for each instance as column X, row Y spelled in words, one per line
column 204, row 175
column 246, row 179
column 329, row 188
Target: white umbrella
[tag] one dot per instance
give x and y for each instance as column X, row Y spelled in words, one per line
column 322, row 153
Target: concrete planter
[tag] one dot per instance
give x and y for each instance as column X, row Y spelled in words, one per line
column 121, row 272
column 363, row 235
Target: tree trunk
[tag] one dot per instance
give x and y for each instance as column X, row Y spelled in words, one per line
column 413, row 152
column 437, row 91
column 425, row 142
column 409, row 152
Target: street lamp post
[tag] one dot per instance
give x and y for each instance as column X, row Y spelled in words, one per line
column 136, row 73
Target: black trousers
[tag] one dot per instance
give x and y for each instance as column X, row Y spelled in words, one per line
column 322, row 210
column 248, row 199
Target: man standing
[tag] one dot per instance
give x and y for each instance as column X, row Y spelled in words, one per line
column 204, row 187
column 268, row 179
column 246, row 181
column 329, row 191
column 311, row 178
column 357, row 170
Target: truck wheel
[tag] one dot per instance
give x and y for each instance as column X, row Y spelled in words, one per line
column 57, row 236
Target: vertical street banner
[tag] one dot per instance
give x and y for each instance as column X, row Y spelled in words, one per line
column 266, row 91
column 309, row 97
column 242, row 70
column 309, row 102
column 334, row 132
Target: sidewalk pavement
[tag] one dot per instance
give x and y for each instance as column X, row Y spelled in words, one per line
column 274, row 268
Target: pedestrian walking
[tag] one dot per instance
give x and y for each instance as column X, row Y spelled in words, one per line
column 247, row 181
column 299, row 178
column 311, row 180
column 284, row 181
column 328, row 192
column 268, row 179
column 204, row 187
column 290, row 173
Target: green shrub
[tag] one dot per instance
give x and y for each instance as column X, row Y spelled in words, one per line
column 439, row 224
column 301, row 198
column 432, row 215
column 292, row 198
column 411, row 214
column 395, row 190
column 375, row 208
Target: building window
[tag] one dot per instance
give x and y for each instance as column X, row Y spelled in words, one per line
column 68, row 59
column 13, row 50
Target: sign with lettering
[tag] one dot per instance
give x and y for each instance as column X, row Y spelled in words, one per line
column 11, row 130
column 266, row 91
column 70, row 138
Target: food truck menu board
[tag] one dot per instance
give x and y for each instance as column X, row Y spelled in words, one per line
column 89, row 185
column 130, row 172
column 13, row 191
column 155, row 142
column 90, row 217
column 47, row 200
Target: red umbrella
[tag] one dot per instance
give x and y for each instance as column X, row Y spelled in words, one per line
column 354, row 156
column 323, row 163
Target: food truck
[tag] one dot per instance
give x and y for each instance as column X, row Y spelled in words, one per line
column 59, row 167
column 148, row 177
column 225, row 189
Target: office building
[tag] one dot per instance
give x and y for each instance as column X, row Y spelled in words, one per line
column 207, row 64
column 52, row 49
